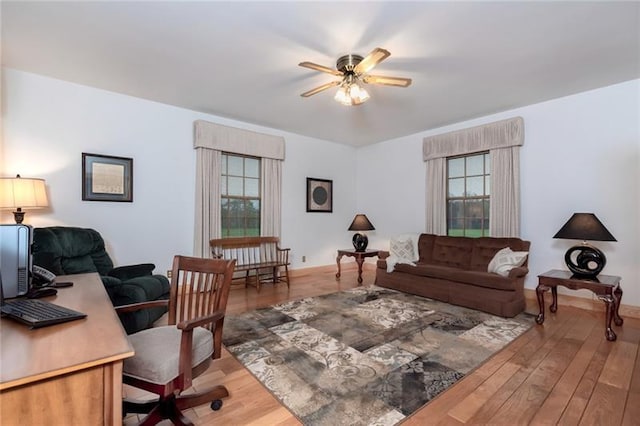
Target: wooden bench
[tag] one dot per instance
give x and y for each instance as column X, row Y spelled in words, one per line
column 260, row 255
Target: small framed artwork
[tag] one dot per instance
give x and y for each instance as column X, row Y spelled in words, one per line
column 107, row 178
column 319, row 195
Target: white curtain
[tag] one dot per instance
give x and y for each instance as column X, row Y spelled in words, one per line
column 504, row 210
column 210, row 140
column 503, row 140
column 271, row 208
column 207, row 221
column 436, row 196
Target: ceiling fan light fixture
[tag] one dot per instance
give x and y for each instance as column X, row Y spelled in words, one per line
column 351, row 92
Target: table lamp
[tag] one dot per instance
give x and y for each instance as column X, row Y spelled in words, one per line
column 360, row 223
column 22, row 193
column 589, row 261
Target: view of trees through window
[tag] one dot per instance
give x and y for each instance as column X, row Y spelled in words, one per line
column 240, row 196
column 468, row 195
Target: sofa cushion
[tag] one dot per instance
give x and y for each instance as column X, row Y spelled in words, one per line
column 485, row 248
column 480, row 279
column 452, row 251
column 505, row 260
column 425, row 247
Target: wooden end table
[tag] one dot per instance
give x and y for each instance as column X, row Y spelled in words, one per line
column 606, row 288
column 359, row 255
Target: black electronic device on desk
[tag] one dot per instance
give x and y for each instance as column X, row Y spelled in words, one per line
column 37, row 313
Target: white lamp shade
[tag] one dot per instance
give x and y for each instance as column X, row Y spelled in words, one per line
column 20, row 192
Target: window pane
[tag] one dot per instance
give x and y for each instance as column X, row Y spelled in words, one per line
column 252, row 167
column 224, row 163
column 487, row 163
column 455, row 216
column 475, row 186
column 455, row 167
column 487, row 185
column 251, row 187
column 253, row 227
column 235, row 186
column 456, row 187
column 253, row 208
column 475, row 165
column 235, row 165
column 223, row 185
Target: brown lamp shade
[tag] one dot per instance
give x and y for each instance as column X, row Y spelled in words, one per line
column 584, row 226
column 361, row 223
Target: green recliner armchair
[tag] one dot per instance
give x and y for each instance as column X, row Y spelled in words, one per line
column 69, row 250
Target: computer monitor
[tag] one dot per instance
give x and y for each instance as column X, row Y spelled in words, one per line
column 15, row 259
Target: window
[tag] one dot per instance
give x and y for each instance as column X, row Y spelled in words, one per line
column 240, row 196
column 468, row 192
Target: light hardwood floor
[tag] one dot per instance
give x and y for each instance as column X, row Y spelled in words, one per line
column 564, row 372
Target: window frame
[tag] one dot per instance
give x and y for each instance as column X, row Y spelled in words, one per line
column 485, row 198
column 226, row 231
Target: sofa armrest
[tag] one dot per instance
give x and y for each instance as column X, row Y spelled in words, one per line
column 132, row 271
column 518, row 272
column 382, row 254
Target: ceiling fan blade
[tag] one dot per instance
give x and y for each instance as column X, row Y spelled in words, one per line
column 376, row 56
column 388, row 81
column 322, row 68
column 320, row 89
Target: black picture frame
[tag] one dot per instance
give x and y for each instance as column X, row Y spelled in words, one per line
column 319, row 195
column 107, row 178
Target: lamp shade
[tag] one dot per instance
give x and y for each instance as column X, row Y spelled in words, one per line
column 18, row 193
column 361, row 223
column 584, row 226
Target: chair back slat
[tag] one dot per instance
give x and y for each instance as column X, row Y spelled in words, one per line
column 199, row 287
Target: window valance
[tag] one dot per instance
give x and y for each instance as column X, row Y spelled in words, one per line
column 238, row 141
column 499, row 134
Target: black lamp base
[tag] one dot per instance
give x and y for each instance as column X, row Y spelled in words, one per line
column 360, row 242
column 18, row 215
column 589, row 261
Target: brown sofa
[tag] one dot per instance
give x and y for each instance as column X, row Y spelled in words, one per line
column 454, row 270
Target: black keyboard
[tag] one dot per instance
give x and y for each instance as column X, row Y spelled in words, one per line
column 38, row 313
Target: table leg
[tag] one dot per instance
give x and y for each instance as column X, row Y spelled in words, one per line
column 554, row 304
column 338, row 262
column 360, row 261
column 540, row 295
column 617, row 297
column 609, row 333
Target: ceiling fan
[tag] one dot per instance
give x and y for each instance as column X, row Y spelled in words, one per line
column 353, row 70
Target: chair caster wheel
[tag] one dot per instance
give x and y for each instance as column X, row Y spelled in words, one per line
column 216, row 404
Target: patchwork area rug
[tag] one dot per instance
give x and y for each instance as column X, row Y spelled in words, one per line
column 365, row 356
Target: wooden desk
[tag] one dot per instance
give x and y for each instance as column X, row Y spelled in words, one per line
column 68, row 373
column 359, row 255
column 606, row 288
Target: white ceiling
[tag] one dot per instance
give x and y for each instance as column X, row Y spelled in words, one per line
column 240, row 60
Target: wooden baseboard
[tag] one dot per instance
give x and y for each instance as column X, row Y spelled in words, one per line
column 583, row 303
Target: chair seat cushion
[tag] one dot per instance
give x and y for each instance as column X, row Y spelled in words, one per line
column 158, row 351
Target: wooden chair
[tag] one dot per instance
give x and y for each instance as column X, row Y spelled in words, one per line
column 168, row 357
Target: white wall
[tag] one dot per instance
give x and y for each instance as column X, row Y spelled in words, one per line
column 48, row 123
column 581, row 154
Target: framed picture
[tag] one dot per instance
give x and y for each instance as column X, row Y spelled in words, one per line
column 319, row 195
column 107, row 178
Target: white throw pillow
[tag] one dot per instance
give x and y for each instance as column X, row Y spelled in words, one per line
column 402, row 249
column 505, row 260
